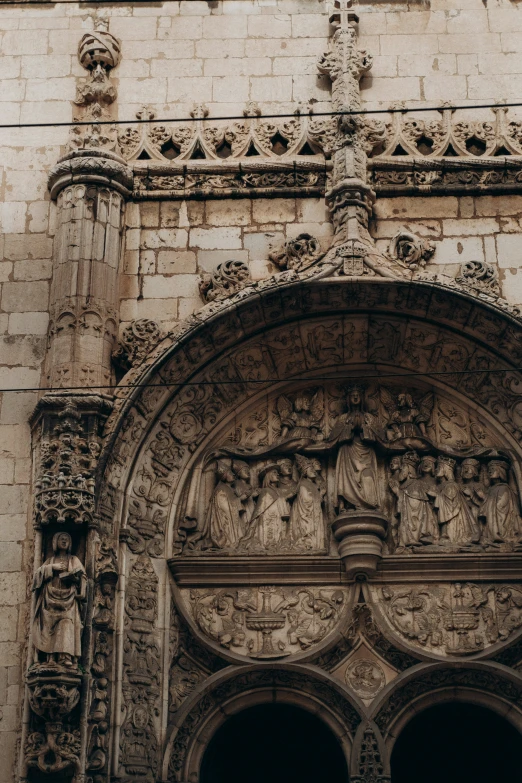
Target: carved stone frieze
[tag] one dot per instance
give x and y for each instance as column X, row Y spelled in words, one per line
column 458, row 619
column 268, row 621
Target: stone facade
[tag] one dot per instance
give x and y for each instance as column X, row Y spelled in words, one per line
column 214, row 480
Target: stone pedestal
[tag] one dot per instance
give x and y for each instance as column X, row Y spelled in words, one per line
column 360, row 535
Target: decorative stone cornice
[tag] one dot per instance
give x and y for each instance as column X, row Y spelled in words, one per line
column 101, row 168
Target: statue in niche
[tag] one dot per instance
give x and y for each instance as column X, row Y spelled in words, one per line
column 500, row 507
column 472, row 488
column 407, row 419
column 301, row 420
column 306, row 517
column 244, row 492
column 269, row 524
column 60, row 586
column 456, row 522
column 356, row 480
column 417, row 523
column 222, row 523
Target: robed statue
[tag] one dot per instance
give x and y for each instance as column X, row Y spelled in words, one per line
column 356, row 480
column 60, row 587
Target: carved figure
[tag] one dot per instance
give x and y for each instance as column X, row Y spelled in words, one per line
column 394, row 487
column 356, row 468
column 287, row 485
column 471, row 486
column 245, row 493
column 223, row 523
column 417, row 522
column 60, row 584
column 509, row 610
column 456, row 521
column 500, row 508
column 302, row 418
column 269, row 525
column 407, row 419
column 306, row 518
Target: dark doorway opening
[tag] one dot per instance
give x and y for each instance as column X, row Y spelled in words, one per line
column 457, row 743
column 274, row 743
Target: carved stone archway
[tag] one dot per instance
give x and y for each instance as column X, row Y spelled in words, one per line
column 281, row 337
column 230, row 692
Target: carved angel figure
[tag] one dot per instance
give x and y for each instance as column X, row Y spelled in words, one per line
column 269, row 524
column 407, row 419
column 60, row 586
column 500, row 508
column 222, row 521
column 356, row 480
column 306, row 518
column 302, row 418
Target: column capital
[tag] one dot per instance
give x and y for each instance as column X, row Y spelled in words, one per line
column 91, row 166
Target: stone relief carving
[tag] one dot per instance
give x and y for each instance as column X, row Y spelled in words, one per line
column 60, row 586
column 98, row 52
column 426, row 464
column 136, row 342
column 299, row 253
column 366, row 677
column 142, row 666
column 452, row 619
column 227, row 280
column 266, row 621
column 412, row 250
column 370, row 767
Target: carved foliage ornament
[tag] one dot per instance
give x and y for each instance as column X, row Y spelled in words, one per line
column 136, row 342
column 457, row 619
column 229, row 278
column 268, row 621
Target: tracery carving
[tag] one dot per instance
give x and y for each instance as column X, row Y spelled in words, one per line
column 268, row 621
column 370, row 767
column 457, row 619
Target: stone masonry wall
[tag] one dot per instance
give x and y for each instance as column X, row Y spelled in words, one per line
column 222, row 53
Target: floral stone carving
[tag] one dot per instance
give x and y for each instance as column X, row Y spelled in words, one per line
column 410, row 249
column 451, row 619
column 136, row 342
column 266, row 621
column 227, row 280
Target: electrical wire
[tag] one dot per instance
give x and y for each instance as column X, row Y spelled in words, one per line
column 235, row 382
column 293, row 115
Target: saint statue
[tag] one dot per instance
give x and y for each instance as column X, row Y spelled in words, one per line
column 457, row 524
column 356, row 484
column 269, row 524
column 306, row 518
column 500, row 509
column 471, row 486
column 60, row 586
column 417, row 523
column 222, row 522
column 287, row 485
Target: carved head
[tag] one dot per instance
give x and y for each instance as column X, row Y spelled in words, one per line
column 224, row 472
column 470, row 469
column 427, row 465
column 497, row 470
column 405, row 400
column 62, row 542
column 286, row 467
column 241, row 469
column 355, row 395
column 445, row 467
column 395, row 463
column 269, row 475
column 306, row 466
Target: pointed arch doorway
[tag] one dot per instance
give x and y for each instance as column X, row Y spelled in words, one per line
column 457, row 743
column 280, row 743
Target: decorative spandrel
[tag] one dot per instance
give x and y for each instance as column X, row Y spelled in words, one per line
column 451, row 619
column 268, row 621
column 428, row 470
